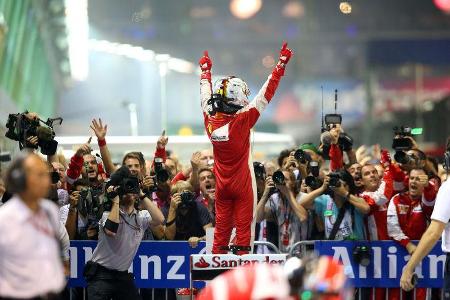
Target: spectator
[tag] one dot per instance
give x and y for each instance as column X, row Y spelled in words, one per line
column 282, row 208
column 377, row 194
column 187, row 220
column 207, row 183
column 355, row 171
column 61, row 169
column 75, row 214
column 342, row 201
column 207, row 157
column 408, row 215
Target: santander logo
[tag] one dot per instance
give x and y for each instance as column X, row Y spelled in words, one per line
column 211, row 261
column 202, row 264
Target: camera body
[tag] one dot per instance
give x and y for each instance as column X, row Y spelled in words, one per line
column 278, row 178
column 162, row 175
column 259, row 170
column 20, row 128
column 187, row 199
column 90, row 206
column 335, row 180
column 302, row 156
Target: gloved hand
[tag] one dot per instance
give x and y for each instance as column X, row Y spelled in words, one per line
column 385, row 158
column 285, row 56
column 205, row 65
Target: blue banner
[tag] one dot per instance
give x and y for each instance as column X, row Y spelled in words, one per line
column 156, row 264
column 387, row 261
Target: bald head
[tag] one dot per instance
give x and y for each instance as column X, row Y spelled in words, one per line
column 37, row 177
column 206, row 155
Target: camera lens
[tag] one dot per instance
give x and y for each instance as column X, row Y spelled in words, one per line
column 278, row 177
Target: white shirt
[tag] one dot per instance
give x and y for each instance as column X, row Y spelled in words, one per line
column 30, row 258
column 441, row 212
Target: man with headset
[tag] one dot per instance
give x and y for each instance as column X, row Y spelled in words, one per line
column 30, row 260
column 439, row 222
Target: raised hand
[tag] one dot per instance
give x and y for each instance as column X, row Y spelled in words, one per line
column 162, row 140
column 285, row 54
column 205, row 62
column 84, row 149
column 98, row 128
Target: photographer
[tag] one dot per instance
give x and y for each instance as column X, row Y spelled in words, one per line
column 340, row 210
column 187, row 219
column 408, row 214
column 280, row 206
column 121, row 232
column 81, row 215
column 264, row 230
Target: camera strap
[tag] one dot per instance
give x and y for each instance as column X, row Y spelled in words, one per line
column 338, row 222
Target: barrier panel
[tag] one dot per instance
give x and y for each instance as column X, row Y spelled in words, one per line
column 165, row 264
column 157, row 264
column 388, row 259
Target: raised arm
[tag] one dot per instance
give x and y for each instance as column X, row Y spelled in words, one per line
column 205, row 80
column 100, row 132
column 266, row 93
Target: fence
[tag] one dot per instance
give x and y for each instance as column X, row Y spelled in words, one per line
column 166, row 264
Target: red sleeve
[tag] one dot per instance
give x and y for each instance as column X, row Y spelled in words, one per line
column 373, row 206
column 389, row 185
column 178, row 177
column 335, row 154
column 430, row 192
column 74, row 170
column 160, row 153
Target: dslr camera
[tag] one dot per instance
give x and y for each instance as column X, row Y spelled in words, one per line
column 335, row 180
column 90, row 206
column 302, row 156
column 187, row 199
column 20, row 128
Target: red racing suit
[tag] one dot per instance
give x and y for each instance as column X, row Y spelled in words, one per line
column 407, row 220
column 233, row 167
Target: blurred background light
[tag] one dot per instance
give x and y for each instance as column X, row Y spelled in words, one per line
column 443, row 5
column 268, row 61
column 345, row 7
column 78, row 32
column 245, row 9
column 293, row 10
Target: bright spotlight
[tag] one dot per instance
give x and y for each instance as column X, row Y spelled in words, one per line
column 245, row 9
column 345, row 7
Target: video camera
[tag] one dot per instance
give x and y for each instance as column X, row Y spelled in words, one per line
column 329, row 121
column 402, row 142
column 20, row 128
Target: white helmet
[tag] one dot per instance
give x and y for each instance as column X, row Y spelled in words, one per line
column 234, row 89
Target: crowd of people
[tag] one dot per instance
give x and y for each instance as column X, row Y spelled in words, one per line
column 356, row 196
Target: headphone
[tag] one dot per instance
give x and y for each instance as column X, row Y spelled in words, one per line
column 16, row 179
